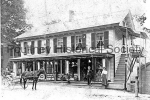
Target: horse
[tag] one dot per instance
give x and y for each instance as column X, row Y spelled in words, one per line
column 31, row 75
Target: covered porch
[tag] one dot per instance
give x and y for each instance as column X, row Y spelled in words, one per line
column 57, row 66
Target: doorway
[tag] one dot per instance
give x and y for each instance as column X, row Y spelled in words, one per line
column 83, row 68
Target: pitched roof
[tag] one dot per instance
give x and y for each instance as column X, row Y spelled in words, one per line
column 105, row 19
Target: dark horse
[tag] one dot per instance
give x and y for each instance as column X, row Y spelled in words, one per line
column 32, row 75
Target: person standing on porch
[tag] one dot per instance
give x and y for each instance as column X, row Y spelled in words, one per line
column 104, row 78
column 89, row 75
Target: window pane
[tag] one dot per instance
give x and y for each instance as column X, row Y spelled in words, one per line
column 99, row 40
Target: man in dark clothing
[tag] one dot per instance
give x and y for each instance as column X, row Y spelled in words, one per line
column 89, row 75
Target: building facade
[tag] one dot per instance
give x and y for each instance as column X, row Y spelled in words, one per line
column 70, row 47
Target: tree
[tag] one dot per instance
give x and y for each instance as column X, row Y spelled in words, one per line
column 141, row 20
column 13, row 19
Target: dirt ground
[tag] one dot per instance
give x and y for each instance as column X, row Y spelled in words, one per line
column 63, row 91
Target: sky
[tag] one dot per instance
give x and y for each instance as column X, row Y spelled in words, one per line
column 40, row 11
column 48, row 10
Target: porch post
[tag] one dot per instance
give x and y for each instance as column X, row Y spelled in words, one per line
column 61, row 67
column 67, row 66
column 55, row 70
column 93, row 66
column 104, row 60
column 33, row 65
column 23, row 67
column 15, row 68
column 38, row 65
column 44, row 64
column 78, row 64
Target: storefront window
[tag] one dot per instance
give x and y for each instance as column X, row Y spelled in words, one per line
column 50, row 68
column 58, row 67
column 63, row 66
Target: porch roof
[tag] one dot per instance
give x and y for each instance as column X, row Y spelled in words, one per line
column 132, row 32
column 107, row 19
column 60, row 56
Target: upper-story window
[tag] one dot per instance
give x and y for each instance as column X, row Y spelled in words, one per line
column 99, row 40
column 39, row 46
column 79, row 42
column 32, row 47
column 59, row 45
column 47, row 46
column 25, row 48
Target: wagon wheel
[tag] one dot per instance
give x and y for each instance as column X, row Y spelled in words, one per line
column 26, row 85
column 11, row 84
column 5, row 82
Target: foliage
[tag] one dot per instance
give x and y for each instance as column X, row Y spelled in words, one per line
column 13, row 19
column 141, row 20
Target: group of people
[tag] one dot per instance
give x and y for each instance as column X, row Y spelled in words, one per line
column 103, row 75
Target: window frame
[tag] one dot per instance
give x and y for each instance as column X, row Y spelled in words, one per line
column 77, row 43
column 97, row 41
column 60, row 46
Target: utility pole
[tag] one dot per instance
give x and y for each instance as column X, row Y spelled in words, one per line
column 125, row 87
column 140, row 66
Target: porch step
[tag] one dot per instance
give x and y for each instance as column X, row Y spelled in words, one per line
column 116, row 85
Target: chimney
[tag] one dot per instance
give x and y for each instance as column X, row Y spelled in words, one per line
column 71, row 15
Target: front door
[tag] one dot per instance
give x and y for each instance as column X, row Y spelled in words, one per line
column 83, row 68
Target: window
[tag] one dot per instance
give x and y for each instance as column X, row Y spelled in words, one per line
column 50, row 68
column 47, row 46
column 39, row 46
column 58, row 67
column 59, row 45
column 99, row 40
column 32, row 47
column 63, row 67
column 78, row 42
column 25, row 48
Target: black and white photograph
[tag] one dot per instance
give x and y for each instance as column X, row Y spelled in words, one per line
column 75, row 50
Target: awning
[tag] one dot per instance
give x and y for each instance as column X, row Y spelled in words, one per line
column 59, row 56
column 129, row 30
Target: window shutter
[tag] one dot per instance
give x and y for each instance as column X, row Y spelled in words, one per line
column 25, row 48
column 39, row 46
column 47, row 46
column 93, row 40
column 106, row 39
column 64, row 44
column 84, row 41
column 55, row 45
column 32, row 47
column 72, row 43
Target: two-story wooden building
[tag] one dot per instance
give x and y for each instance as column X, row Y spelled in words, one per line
column 70, row 47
